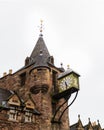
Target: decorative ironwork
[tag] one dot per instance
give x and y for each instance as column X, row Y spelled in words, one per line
column 68, row 106
column 68, row 83
column 58, row 109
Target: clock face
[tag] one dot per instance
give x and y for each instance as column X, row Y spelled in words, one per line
column 68, row 82
column 65, row 83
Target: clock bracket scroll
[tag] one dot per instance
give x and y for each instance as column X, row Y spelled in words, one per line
column 68, row 83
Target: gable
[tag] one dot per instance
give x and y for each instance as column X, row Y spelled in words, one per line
column 14, row 100
column 90, row 127
column 30, row 104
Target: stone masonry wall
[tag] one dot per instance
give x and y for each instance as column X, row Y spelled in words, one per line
column 43, row 100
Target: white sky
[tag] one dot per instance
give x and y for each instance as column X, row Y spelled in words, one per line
column 74, row 35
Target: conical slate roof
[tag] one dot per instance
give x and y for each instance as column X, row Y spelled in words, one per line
column 39, row 48
column 40, row 54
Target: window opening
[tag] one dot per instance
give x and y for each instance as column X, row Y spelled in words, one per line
column 23, row 78
column 54, row 81
column 28, row 116
column 13, row 115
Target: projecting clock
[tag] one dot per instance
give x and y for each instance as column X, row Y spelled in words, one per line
column 68, row 83
column 65, row 83
column 68, row 80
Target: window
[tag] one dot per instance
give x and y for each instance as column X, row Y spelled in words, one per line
column 51, row 59
column 23, row 78
column 28, row 116
column 53, row 108
column 54, row 80
column 4, row 103
column 13, row 115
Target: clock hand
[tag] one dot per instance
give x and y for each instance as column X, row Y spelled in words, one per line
column 66, row 84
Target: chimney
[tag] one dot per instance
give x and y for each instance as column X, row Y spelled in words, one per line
column 10, row 71
column 4, row 74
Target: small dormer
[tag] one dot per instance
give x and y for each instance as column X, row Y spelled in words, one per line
column 13, row 104
column 29, row 104
column 96, row 126
column 78, row 125
column 14, row 100
column 29, row 110
column 88, row 126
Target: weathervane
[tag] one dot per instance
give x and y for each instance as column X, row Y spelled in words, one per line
column 41, row 27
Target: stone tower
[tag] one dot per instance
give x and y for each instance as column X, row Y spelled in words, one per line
column 26, row 96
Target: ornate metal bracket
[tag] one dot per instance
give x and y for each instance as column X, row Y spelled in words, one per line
column 66, row 99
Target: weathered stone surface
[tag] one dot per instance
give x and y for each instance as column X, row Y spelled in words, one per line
column 43, row 82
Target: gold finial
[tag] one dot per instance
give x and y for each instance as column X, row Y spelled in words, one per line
column 41, row 27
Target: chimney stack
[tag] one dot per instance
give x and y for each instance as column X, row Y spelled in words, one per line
column 4, row 74
column 10, row 71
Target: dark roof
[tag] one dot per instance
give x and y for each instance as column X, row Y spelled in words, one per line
column 40, row 54
column 68, row 71
column 4, row 94
column 40, row 57
column 86, row 127
column 96, row 127
column 39, row 48
column 74, row 126
column 17, row 94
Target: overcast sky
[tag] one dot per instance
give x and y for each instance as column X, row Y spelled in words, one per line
column 74, row 34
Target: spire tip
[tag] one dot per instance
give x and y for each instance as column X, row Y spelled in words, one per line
column 41, row 28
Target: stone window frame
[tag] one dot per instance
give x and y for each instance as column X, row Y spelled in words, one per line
column 13, row 114
column 28, row 116
column 23, row 78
